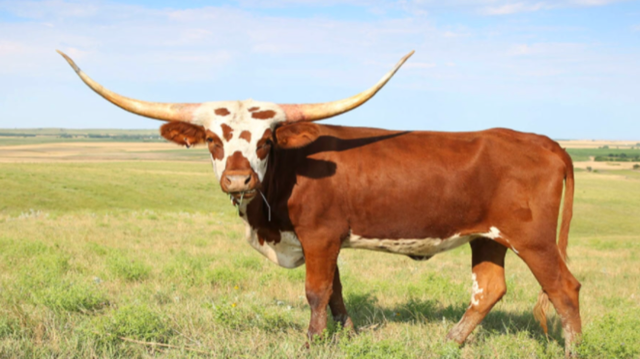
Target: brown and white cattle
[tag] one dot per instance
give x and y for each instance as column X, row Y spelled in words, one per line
column 306, row 191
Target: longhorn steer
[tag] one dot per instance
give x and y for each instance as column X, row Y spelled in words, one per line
column 325, row 188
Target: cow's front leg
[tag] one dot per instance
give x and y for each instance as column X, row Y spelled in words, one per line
column 336, row 303
column 321, row 257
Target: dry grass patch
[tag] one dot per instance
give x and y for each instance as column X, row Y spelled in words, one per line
column 98, row 152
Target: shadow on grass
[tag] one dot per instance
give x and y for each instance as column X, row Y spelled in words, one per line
column 368, row 314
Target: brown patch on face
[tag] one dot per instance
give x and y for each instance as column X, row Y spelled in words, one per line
column 246, row 135
column 252, row 109
column 227, row 132
column 221, row 111
column 263, row 115
column 264, row 145
column 237, row 162
column 215, row 145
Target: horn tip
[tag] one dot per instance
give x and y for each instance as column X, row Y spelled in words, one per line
column 409, row 54
column 73, row 64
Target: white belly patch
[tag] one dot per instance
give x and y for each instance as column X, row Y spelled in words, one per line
column 287, row 253
column 415, row 246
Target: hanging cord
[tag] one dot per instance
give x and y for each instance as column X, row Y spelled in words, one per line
column 240, row 203
column 213, row 167
column 267, row 203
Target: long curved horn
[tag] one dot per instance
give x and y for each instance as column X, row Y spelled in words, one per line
column 319, row 111
column 158, row 110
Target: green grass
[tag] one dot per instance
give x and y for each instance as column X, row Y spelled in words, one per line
column 152, row 251
column 55, row 188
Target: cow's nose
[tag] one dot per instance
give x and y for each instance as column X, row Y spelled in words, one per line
column 236, row 183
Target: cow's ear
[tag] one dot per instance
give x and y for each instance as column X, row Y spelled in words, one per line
column 183, row 133
column 296, row 135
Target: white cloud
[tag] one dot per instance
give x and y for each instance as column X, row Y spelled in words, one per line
column 147, row 44
column 51, row 8
column 420, row 65
column 116, row 42
column 522, row 49
column 452, row 34
column 423, row 8
column 289, row 3
column 514, row 8
column 550, row 51
column 8, row 48
column 499, row 7
column 593, row 2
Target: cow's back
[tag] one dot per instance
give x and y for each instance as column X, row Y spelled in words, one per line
column 393, row 184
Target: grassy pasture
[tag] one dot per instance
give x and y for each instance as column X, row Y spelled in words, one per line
column 96, row 254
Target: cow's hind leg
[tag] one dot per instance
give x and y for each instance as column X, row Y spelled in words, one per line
column 560, row 285
column 488, row 286
column 336, row 303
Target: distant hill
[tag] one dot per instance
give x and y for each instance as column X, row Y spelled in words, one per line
column 49, row 135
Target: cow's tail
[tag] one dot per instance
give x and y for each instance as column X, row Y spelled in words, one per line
column 540, row 309
column 567, row 207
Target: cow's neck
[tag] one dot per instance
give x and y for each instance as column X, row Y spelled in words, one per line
column 268, row 215
column 273, row 235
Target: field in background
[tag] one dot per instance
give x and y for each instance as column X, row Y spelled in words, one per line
column 56, row 145
column 57, row 135
column 118, row 242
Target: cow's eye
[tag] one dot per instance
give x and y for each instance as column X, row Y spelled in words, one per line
column 209, row 139
column 266, row 144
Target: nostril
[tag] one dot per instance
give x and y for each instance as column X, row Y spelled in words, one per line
column 227, row 179
column 246, row 181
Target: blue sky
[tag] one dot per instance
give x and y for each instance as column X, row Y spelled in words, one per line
column 564, row 68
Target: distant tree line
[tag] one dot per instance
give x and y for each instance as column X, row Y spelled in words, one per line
column 125, row 137
column 122, row 137
column 618, row 157
column 11, row 134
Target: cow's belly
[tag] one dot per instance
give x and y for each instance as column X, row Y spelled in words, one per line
column 287, row 253
column 419, row 247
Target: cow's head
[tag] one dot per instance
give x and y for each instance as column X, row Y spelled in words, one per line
column 239, row 134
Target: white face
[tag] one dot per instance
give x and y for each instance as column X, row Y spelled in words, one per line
column 242, row 127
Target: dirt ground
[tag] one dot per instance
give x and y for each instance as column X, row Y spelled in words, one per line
column 604, row 165
column 97, row 152
column 598, row 143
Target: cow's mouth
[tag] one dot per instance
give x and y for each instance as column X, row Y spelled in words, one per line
column 240, row 196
